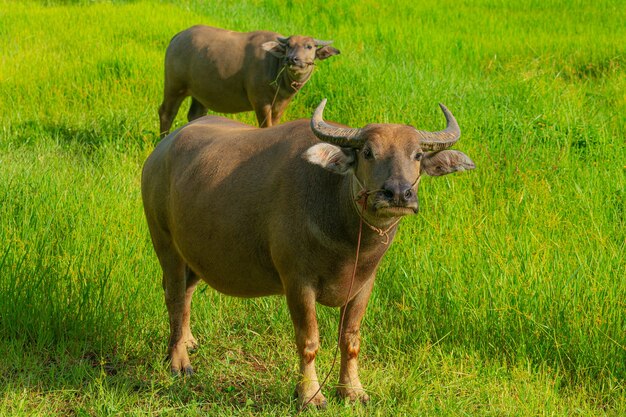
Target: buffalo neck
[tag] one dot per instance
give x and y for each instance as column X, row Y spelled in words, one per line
column 293, row 82
column 332, row 216
column 376, row 231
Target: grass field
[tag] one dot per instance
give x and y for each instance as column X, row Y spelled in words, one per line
column 506, row 296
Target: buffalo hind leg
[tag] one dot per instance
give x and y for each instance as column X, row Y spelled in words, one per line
column 196, row 110
column 168, row 109
column 178, row 301
column 350, row 386
column 192, row 280
column 301, row 302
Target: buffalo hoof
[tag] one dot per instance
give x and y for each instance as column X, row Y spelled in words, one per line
column 319, row 405
column 191, row 343
column 353, row 395
column 317, row 402
column 192, row 346
column 186, row 371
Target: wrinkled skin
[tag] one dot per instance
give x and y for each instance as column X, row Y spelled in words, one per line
column 232, row 72
column 255, row 212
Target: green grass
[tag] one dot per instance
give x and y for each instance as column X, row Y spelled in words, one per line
column 505, row 296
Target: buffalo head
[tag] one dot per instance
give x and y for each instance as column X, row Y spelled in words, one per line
column 298, row 53
column 387, row 160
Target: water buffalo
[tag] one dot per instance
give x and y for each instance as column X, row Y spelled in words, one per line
column 232, row 72
column 255, row 212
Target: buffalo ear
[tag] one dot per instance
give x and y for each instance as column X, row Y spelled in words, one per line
column 326, row 52
column 445, row 162
column 275, row 48
column 331, row 157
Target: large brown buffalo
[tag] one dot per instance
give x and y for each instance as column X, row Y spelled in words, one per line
column 256, row 212
column 232, row 72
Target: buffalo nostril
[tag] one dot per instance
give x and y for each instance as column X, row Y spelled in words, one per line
column 408, row 194
column 388, row 194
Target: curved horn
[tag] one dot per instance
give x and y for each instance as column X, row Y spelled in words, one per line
column 282, row 40
column 341, row 136
column 443, row 139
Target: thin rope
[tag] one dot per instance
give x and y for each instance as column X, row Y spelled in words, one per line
column 343, row 315
column 362, row 195
column 362, row 199
column 275, row 84
column 296, row 85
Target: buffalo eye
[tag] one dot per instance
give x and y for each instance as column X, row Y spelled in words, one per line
column 309, row 47
column 418, row 156
column 367, row 153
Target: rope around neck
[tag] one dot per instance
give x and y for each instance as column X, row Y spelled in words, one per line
column 296, row 85
column 362, row 198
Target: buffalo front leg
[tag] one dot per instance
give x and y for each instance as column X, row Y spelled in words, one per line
column 301, row 304
column 349, row 343
column 263, row 115
column 277, row 113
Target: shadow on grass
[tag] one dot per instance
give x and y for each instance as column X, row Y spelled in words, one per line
column 94, row 380
column 121, row 132
column 118, row 360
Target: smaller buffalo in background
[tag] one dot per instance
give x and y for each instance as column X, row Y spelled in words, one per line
column 232, row 72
